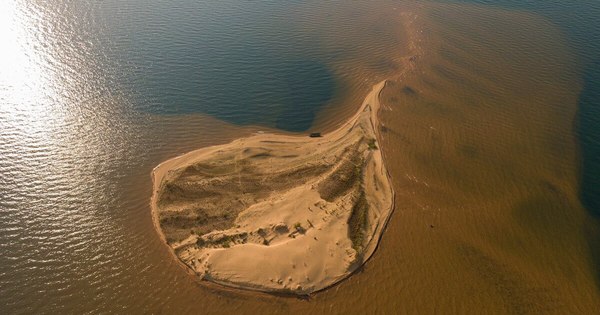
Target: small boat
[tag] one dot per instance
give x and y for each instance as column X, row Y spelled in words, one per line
column 315, row 134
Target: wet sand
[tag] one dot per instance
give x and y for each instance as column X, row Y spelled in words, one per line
column 479, row 142
column 481, row 150
column 278, row 213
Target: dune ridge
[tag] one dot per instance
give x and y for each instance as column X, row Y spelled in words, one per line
column 278, row 213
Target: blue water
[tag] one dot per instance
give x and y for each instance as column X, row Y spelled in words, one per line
column 94, row 94
column 210, row 59
column 102, row 91
column 589, row 137
column 254, row 75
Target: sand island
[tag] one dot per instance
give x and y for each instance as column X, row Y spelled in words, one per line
column 278, row 213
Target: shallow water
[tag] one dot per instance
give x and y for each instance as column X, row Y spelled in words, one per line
column 487, row 159
column 94, row 95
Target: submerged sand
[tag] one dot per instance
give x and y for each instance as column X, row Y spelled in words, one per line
column 278, row 213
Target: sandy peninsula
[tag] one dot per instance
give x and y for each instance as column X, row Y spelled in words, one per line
column 278, row 213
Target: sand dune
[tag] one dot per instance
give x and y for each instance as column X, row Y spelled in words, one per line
column 278, row 213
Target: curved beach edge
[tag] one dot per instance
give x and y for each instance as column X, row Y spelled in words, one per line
column 371, row 105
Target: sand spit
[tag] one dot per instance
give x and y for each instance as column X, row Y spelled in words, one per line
column 278, row 213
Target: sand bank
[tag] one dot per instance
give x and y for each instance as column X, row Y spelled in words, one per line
column 278, row 213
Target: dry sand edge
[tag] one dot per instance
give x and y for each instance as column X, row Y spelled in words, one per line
column 162, row 170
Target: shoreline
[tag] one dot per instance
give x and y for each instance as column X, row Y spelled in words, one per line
column 162, row 172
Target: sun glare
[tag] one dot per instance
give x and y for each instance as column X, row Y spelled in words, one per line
column 24, row 73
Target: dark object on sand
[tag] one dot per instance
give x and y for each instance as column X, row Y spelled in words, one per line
column 315, row 135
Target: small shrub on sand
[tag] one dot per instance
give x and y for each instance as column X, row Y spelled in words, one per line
column 358, row 222
column 372, row 144
column 298, row 226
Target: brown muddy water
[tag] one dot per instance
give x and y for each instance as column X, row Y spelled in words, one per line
column 478, row 134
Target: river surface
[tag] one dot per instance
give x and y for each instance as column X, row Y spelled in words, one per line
column 496, row 158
